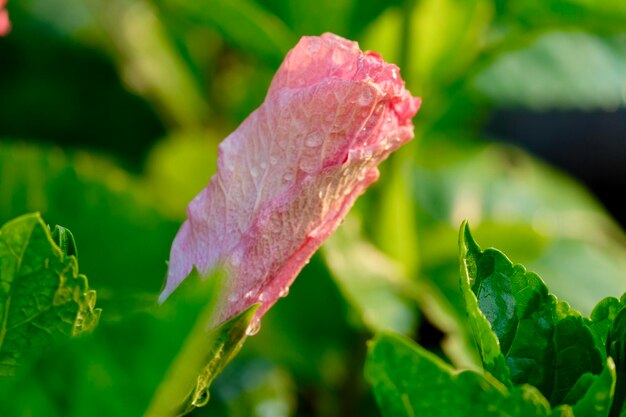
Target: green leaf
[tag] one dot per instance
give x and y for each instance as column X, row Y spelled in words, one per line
column 203, row 356
column 486, row 339
column 43, row 298
column 124, row 236
column 546, row 344
column 150, row 363
column 616, row 349
column 410, row 381
column 548, row 73
column 602, row 317
column 242, row 22
column 597, row 397
column 601, row 16
column 534, row 214
column 369, row 280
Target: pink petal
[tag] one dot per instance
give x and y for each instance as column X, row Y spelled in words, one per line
column 291, row 171
column 5, row 24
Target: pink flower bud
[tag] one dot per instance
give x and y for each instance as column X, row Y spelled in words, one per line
column 5, row 24
column 291, row 171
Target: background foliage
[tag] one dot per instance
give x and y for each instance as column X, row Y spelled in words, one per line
column 110, row 116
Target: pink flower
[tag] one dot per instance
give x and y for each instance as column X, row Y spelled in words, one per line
column 291, row 171
column 5, row 24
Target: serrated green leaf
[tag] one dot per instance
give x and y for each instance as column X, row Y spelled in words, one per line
column 602, row 318
column 43, row 298
column 146, row 364
column 485, row 337
column 545, row 343
column 410, row 381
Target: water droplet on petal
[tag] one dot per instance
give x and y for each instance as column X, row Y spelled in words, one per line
column 253, row 328
column 249, row 294
column 232, row 298
column 313, row 47
column 262, row 297
column 309, row 164
column 314, row 139
column 263, row 165
column 254, row 172
column 273, row 159
column 235, row 259
column 284, row 292
column 288, row 177
column 320, row 194
column 366, row 98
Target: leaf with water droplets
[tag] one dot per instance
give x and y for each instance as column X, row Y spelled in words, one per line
column 410, row 381
column 43, row 299
column 324, row 127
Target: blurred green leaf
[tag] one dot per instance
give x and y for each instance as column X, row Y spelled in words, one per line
column 546, row 344
column 410, row 381
column 43, row 299
column 254, row 388
column 151, row 357
column 616, row 348
column 371, row 281
column 433, row 41
column 566, row 236
column 444, row 39
column 396, row 231
column 178, row 167
column 242, row 22
column 150, row 62
column 124, row 239
column 202, row 357
column 549, row 73
column 608, row 15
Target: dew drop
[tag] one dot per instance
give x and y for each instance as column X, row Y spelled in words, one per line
column 309, row 165
column 284, row 292
column 263, row 297
column 249, row 294
column 263, row 165
column 253, row 328
column 254, row 172
column 366, row 98
column 314, row 47
column 288, row 177
column 235, row 260
column 367, row 154
column 273, row 159
column 320, row 194
column 314, row 139
column 232, row 298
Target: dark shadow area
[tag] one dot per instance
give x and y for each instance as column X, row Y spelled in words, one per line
column 589, row 145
